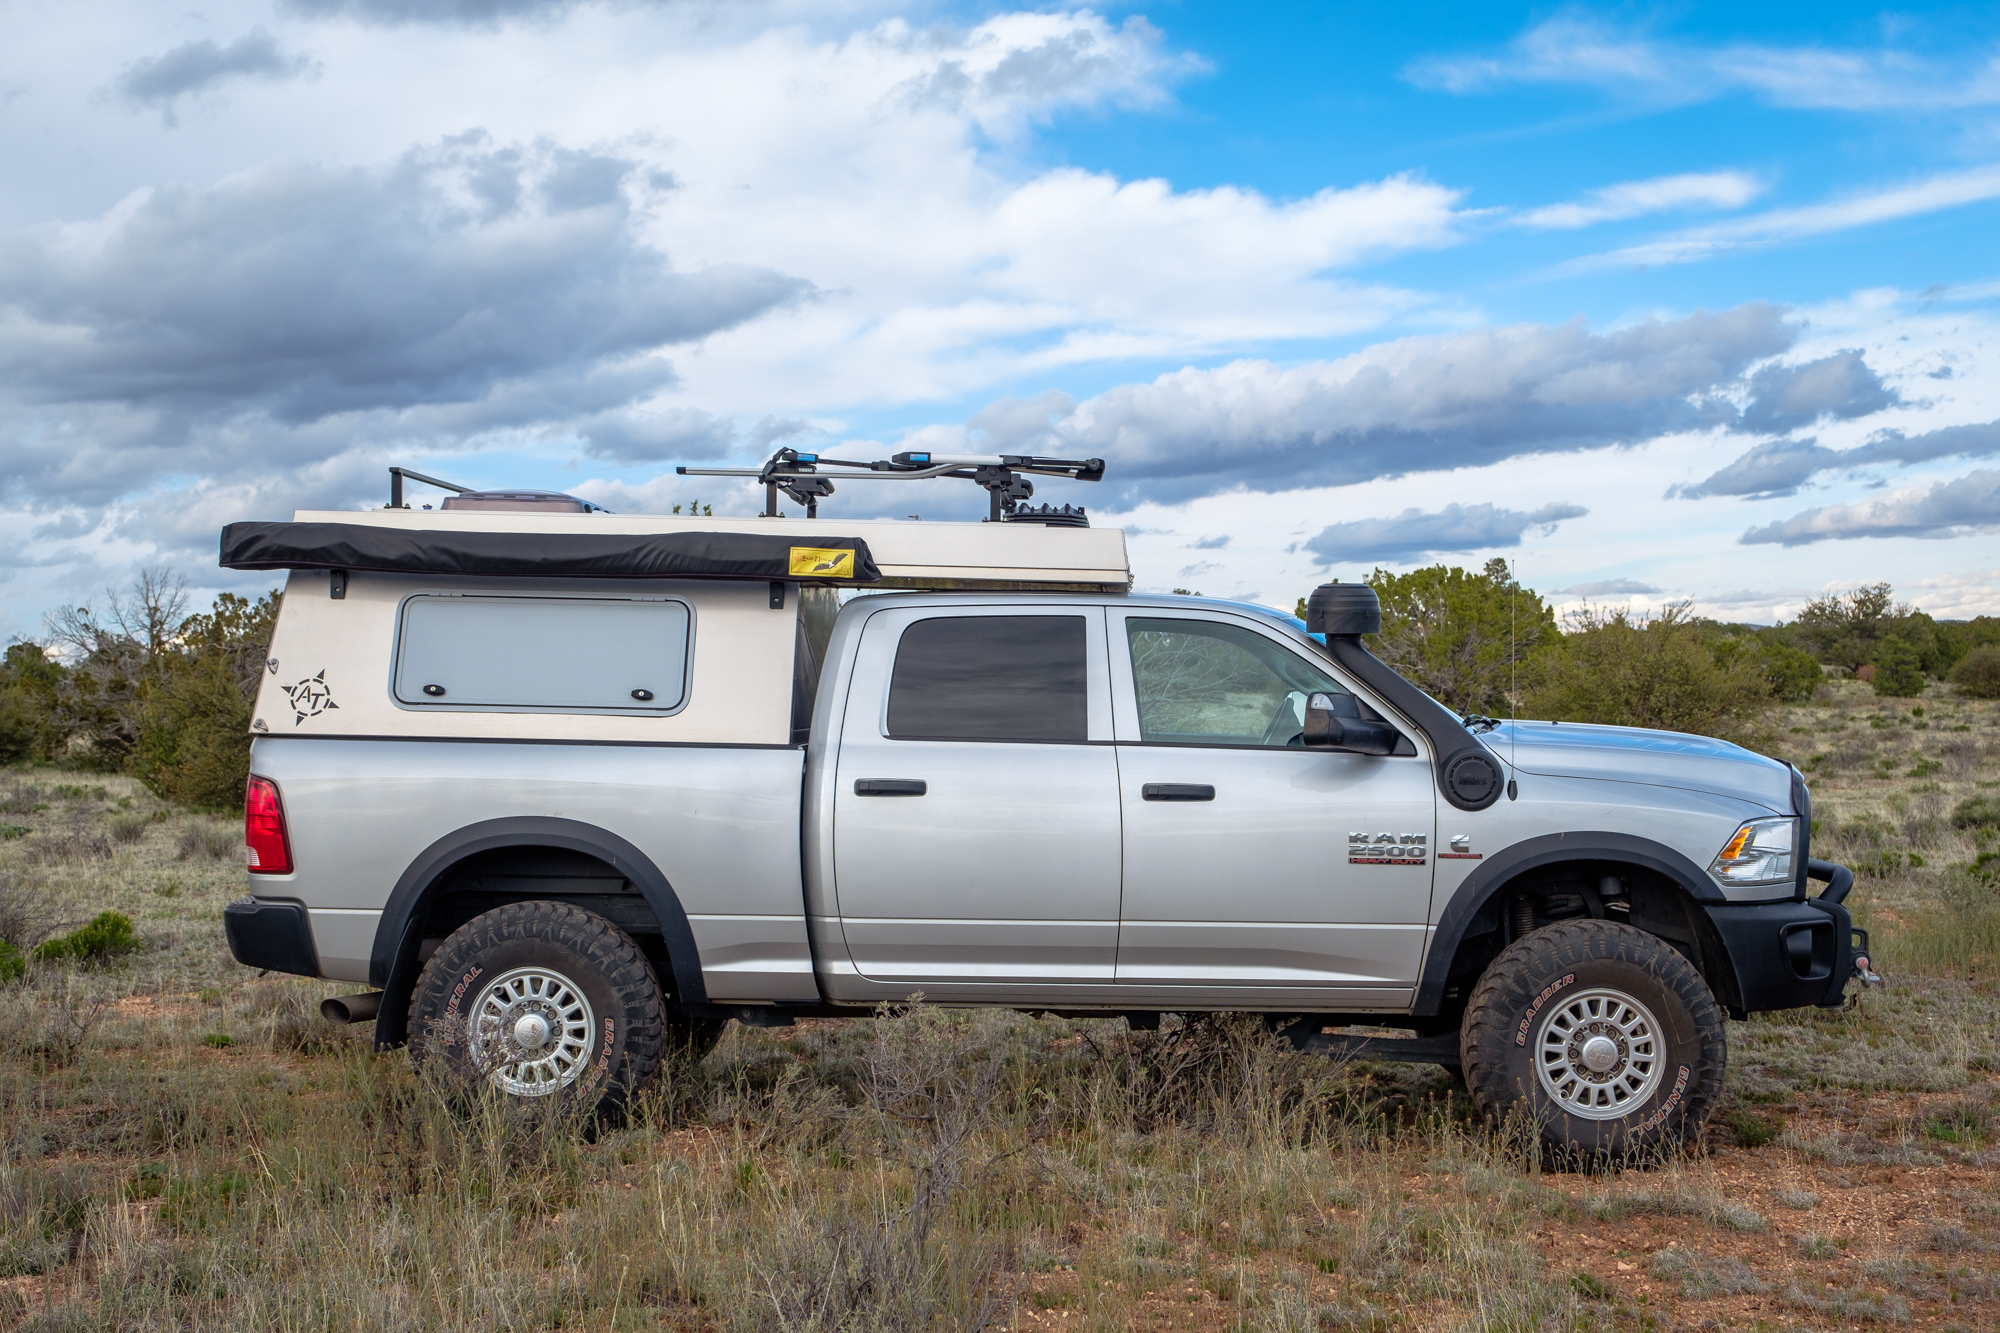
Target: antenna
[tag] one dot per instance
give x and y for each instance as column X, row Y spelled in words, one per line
column 798, row 475
column 1513, row 668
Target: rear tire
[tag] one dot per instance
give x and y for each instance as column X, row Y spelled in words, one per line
column 544, row 1001
column 1603, row 1037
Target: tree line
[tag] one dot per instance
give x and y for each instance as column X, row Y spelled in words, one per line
column 139, row 684
column 1481, row 643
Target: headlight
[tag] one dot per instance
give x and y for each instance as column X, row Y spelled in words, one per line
column 1758, row 853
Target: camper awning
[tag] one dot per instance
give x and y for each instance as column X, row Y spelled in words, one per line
column 575, row 555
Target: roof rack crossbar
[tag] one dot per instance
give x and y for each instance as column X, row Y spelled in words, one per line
column 396, row 475
column 798, row 475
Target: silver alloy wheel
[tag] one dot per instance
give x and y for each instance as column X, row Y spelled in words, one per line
column 532, row 1030
column 1598, row 1054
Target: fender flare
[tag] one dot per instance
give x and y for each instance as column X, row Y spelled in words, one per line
column 1498, row 871
column 392, row 963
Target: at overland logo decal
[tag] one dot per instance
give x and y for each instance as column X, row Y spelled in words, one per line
column 817, row 562
column 1388, row 849
column 310, row 697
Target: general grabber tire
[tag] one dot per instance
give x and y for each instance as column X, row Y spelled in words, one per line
column 545, row 1001
column 1602, row 1037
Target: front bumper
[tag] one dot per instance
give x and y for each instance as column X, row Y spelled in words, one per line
column 1793, row 954
column 276, row 937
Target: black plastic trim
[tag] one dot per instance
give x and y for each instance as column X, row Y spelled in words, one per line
column 1754, row 935
column 890, row 787
column 1451, row 744
column 577, row 555
column 276, row 937
column 1802, row 808
column 1177, row 791
column 1495, row 872
column 393, row 965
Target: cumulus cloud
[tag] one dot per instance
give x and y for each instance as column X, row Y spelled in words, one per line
column 1776, row 467
column 1841, row 387
column 1610, row 588
column 199, row 66
column 1413, row 534
column 1631, row 63
column 1780, row 467
column 1416, row 404
column 1943, row 509
column 1631, row 199
column 469, row 286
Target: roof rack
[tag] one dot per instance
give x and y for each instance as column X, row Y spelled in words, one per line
column 464, row 497
column 798, row 475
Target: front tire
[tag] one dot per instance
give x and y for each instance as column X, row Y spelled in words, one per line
column 1602, row 1036
column 543, row 1000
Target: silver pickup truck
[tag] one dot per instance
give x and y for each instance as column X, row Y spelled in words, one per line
column 571, row 790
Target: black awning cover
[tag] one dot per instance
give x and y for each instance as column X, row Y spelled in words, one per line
column 571, row 555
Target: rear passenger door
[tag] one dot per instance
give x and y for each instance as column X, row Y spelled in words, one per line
column 976, row 830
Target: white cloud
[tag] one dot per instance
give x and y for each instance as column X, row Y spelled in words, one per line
column 1610, row 588
column 1411, row 405
column 1631, row 63
column 1930, row 195
column 1955, row 508
column 1414, row 534
column 1631, row 199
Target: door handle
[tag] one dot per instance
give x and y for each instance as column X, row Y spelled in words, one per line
column 890, row 787
column 1177, row 791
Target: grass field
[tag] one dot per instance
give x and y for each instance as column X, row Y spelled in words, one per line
column 190, row 1147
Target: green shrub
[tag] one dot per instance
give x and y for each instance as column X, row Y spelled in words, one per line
column 1624, row 670
column 1793, row 674
column 13, row 963
column 1459, row 635
column 1977, row 674
column 108, row 933
column 194, row 736
column 1977, row 812
column 1899, row 671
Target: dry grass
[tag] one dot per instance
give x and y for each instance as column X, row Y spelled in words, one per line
column 187, row 1146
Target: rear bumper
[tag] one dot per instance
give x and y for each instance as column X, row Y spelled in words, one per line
column 275, row 937
column 1791, row 955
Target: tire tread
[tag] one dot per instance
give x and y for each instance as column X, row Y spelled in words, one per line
column 1513, row 980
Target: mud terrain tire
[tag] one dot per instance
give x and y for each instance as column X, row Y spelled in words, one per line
column 547, row 1002
column 1602, row 1037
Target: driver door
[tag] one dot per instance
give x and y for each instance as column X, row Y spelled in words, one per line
column 1237, row 878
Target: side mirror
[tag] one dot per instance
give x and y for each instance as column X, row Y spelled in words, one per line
column 1334, row 722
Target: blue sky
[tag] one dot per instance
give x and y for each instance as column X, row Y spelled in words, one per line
column 1660, row 302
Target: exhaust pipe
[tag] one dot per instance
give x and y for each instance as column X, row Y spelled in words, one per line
column 351, row 1008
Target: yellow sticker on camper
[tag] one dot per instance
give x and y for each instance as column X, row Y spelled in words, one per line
column 813, row 562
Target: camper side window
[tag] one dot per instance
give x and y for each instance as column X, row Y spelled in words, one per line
column 559, row 654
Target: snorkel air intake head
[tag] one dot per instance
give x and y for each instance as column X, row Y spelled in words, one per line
column 1344, row 610
column 1467, row 773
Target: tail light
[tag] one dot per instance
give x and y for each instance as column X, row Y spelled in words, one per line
column 264, row 829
